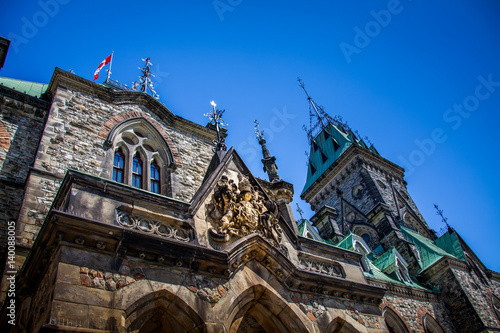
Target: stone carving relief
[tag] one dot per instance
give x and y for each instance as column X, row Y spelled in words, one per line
column 322, row 268
column 149, row 226
column 209, row 290
column 128, row 273
column 239, row 209
column 311, row 306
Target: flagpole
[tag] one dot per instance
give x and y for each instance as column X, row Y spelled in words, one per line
column 110, row 63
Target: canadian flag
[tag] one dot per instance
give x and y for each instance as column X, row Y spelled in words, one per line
column 103, row 63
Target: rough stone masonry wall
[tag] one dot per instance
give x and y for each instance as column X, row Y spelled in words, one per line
column 412, row 312
column 20, row 131
column 365, row 203
column 70, row 141
column 477, row 294
column 465, row 298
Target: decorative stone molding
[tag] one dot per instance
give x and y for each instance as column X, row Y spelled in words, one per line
column 404, row 291
column 327, row 267
column 149, row 226
column 105, row 280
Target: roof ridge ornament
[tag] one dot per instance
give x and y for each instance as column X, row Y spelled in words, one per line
column 145, row 81
column 215, row 118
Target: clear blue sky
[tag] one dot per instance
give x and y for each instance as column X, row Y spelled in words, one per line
column 393, row 70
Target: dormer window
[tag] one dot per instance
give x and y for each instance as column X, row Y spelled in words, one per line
column 313, row 169
column 323, row 157
column 362, row 247
column 402, row 269
column 315, row 146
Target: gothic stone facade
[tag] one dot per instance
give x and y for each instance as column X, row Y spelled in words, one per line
column 202, row 245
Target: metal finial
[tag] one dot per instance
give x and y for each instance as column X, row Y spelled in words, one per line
column 145, row 82
column 440, row 213
column 300, row 211
column 215, row 117
column 312, row 103
column 258, row 132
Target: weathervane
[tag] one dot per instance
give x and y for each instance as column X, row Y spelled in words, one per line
column 300, row 211
column 440, row 213
column 145, row 82
column 260, row 133
column 312, row 103
column 215, row 117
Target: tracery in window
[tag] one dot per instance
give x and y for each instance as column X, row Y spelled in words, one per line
column 143, row 158
column 118, row 166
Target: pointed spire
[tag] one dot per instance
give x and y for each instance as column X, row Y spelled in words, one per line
column 269, row 161
column 316, row 111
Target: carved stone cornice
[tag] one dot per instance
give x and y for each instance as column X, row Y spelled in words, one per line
column 404, row 291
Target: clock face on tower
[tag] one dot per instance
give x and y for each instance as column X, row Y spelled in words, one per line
column 357, row 192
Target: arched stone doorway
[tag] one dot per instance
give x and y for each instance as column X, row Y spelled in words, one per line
column 162, row 312
column 259, row 310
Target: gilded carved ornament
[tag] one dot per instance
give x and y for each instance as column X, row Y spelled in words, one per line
column 237, row 210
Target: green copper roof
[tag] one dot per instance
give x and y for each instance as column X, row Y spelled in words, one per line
column 302, row 226
column 30, row 88
column 450, row 243
column 347, row 243
column 377, row 274
column 429, row 251
column 327, row 147
column 387, row 261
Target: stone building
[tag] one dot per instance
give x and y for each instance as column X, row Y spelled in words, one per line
column 124, row 217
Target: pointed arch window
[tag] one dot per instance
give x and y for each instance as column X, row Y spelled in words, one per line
column 155, row 177
column 394, row 322
column 144, row 159
column 118, row 166
column 137, row 171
